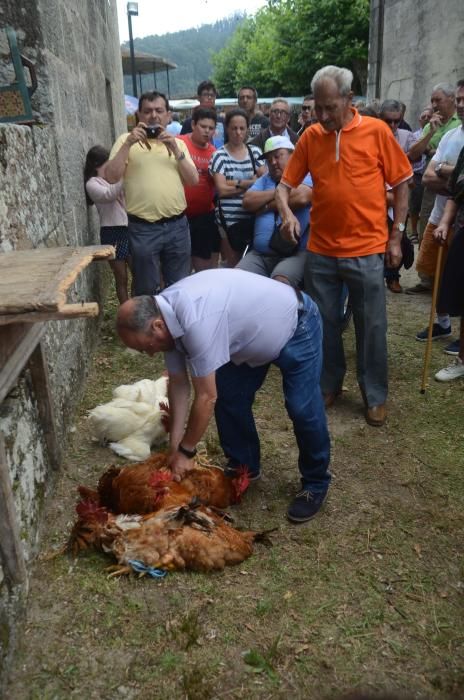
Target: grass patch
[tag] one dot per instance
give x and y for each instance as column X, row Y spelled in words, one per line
column 369, row 594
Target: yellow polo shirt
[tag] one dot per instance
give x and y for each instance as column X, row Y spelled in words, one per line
column 152, row 184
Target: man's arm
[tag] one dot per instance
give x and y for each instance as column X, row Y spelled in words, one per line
column 259, row 202
column 400, row 204
column 198, row 420
column 434, row 181
column 422, row 145
column 290, row 227
column 441, row 232
column 187, row 169
column 116, row 167
column 178, row 394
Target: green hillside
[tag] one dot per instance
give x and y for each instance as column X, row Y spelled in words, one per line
column 191, row 49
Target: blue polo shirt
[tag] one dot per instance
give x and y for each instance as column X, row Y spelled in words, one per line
column 264, row 223
column 217, row 316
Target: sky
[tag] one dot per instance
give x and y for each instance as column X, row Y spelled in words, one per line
column 162, row 17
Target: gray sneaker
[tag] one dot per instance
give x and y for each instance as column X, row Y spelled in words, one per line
column 454, row 371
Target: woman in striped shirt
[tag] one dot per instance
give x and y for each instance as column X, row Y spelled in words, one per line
column 234, row 168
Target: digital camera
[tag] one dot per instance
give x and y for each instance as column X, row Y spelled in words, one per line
column 153, row 131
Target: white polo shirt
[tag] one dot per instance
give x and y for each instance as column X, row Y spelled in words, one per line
column 217, row 316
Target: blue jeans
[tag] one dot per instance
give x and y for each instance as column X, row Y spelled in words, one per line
column 159, row 248
column 300, row 362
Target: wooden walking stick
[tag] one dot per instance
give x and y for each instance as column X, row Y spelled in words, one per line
column 428, row 347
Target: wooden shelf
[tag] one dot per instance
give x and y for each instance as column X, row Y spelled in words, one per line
column 33, row 288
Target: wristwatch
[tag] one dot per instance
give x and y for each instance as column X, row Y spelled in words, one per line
column 187, row 453
column 438, row 169
column 401, row 227
column 181, row 157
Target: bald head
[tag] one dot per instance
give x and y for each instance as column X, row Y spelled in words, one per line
column 136, row 314
column 141, row 326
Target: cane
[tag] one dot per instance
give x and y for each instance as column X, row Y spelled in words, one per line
column 428, row 348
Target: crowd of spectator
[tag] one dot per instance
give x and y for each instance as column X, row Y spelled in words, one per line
column 338, row 203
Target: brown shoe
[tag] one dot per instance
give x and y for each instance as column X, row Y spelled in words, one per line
column 394, row 286
column 376, row 415
column 329, row 399
column 419, row 288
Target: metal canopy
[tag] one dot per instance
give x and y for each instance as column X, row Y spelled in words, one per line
column 145, row 63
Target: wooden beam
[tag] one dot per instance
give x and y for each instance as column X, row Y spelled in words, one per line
column 40, row 378
column 84, row 310
column 11, row 548
column 17, row 345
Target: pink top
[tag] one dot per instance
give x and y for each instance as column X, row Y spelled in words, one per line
column 109, row 200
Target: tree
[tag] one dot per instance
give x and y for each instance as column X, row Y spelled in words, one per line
column 289, row 40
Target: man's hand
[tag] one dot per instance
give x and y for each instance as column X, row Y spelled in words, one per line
column 179, row 464
column 441, row 233
column 290, row 228
column 436, row 120
column 138, row 135
column 170, row 142
column 393, row 255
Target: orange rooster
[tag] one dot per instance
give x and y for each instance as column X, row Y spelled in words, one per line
column 184, row 537
column 148, row 486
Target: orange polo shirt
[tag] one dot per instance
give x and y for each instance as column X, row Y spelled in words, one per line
column 350, row 169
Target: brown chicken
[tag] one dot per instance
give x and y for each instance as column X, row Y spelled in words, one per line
column 148, row 486
column 183, row 537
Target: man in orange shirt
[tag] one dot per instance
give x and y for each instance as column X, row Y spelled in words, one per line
column 351, row 159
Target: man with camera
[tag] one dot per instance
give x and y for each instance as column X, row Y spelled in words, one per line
column 155, row 167
column 267, row 258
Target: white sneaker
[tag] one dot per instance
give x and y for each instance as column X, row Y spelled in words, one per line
column 454, row 371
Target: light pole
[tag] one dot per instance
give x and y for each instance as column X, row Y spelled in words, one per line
column 132, row 11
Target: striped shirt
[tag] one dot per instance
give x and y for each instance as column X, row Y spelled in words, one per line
column 222, row 162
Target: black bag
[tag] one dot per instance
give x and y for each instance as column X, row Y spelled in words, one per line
column 240, row 234
column 407, row 250
column 280, row 245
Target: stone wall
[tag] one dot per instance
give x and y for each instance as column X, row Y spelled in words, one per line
column 414, row 44
column 79, row 102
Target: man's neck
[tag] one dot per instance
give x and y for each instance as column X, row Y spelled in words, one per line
column 446, row 119
column 348, row 118
column 197, row 143
column 281, row 132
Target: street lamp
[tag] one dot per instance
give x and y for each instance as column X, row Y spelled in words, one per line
column 132, row 11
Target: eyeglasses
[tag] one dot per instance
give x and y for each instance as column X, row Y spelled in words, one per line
column 306, row 108
column 280, row 112
column 392, row 121
column 211, row 95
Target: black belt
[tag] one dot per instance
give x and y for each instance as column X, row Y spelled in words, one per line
column 300, row 298
column 165, row 220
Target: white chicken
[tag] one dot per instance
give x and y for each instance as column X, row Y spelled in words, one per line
column 135, row 420
column 146, row 390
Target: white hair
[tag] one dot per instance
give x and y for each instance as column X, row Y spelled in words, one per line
column 446, row 88
column 342, row 77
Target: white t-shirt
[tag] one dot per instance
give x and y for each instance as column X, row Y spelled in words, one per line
column 447, row 152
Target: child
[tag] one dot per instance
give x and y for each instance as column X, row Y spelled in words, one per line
column 109, row 200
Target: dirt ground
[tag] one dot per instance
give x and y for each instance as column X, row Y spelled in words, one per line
column 367, row 595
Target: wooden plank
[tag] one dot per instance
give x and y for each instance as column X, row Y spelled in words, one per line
column 11, row 549
column 17, row 347
column 88, row 310
column 34, row 280
column 41, row 382
column 56, row 292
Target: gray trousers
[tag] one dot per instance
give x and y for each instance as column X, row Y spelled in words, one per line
column 323, row 280
column 159, row 248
